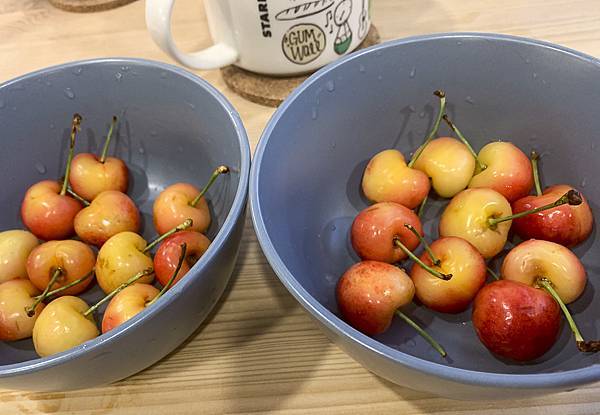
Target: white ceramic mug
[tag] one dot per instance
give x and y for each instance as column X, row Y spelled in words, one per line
column 276, row 37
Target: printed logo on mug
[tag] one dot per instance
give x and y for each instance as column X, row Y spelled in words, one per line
column 276, row 37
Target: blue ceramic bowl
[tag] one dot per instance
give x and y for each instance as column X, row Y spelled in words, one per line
column 174, row 127
column 305, row 188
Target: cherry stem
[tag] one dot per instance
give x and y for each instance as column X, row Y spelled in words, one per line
column 422, row 206
column 572, row 197
column 108, row 138
column 181, row 227
column 218, row 171
column 427, row 268
column 584, row 346
column 69, row 285
column 172, row 279
column 464, row 140
column 75, row 126
column 435, row 260
column 436, row 126
column 31, row 309
column 536, row 174
column 493, row 274
column 76, row 196
column 423, row 333
column 117, row 290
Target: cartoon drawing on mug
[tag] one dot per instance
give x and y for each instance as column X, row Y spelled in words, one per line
column 305, row 9
column 329, row 21
column 344, row 35
column 362, row 19
column 303, row 43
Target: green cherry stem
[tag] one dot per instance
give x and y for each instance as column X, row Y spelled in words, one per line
column 462, row 138
column 108, row 138
column 435, row 260
column 536, row 174
column 422, row 206
column 181, row 227
column 170, row 282
column 493, row 274
column 436, row 126
column 427, row 268
column 31, row 309
column 76, row 196
column 75, row 127
column 422, row 332
column 216, row 173
column 572, row 197
column 584, row 346
column 69, row 285
column 117, row 290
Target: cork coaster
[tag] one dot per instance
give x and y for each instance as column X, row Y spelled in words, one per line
column 271, row 91
column 88, row 6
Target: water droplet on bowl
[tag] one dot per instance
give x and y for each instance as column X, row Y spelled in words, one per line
column 69, row 93
column 52, row 126
column 315, row 113
column 469, row 100
column 410, row 342
column 124, row 68
column 17, row 87
column 163, row 75
column 535, row 75
column 119, row 76
column 422, row 114
column 379, row 78
column 378, row 53
column 153, row 133
column 527, row 60
column 361, row 68
column 192, row 106
column 593, row 146
column 411, row 108
column 333, row 228
column 330, row 85
column 2, row 104
column 41, row 169
column 13, row 108
column 180, row 149
column 583, row 182
column 141, row 150
column 77, row 71
column 459, row 43
column 412, row 73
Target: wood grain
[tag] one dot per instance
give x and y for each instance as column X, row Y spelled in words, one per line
column 260, row 352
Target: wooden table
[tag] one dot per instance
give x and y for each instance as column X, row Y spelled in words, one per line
column 260, row 352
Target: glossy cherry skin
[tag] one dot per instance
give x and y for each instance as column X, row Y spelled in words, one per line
column 387, row 178
column 566, row 224
column 75, row 258
column 516, row 321
column 126, row 304
column 508, row 170
column 449, row 163
column 168, row 254
column 173, row 206
column 535, row 259
column 468, row 269
column 370, row 292
column 15, row 247
column 89, row 177
column 47, row 214
column 15, row 297
column 110, row 213
column 374, row 229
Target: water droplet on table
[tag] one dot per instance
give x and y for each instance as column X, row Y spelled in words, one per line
column 69, row 93
column 330, row 85
column 41, row 169
column 119, row 76
column 315, row 113
column 361, row 68
column 412, row 73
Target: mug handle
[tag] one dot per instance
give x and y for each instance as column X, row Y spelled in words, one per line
column 158, row 21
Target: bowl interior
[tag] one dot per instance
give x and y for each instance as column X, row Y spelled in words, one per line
column 171, row 129
column 308, row 185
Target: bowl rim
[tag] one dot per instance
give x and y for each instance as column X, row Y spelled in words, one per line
column 237, row 208
column 333, row 323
